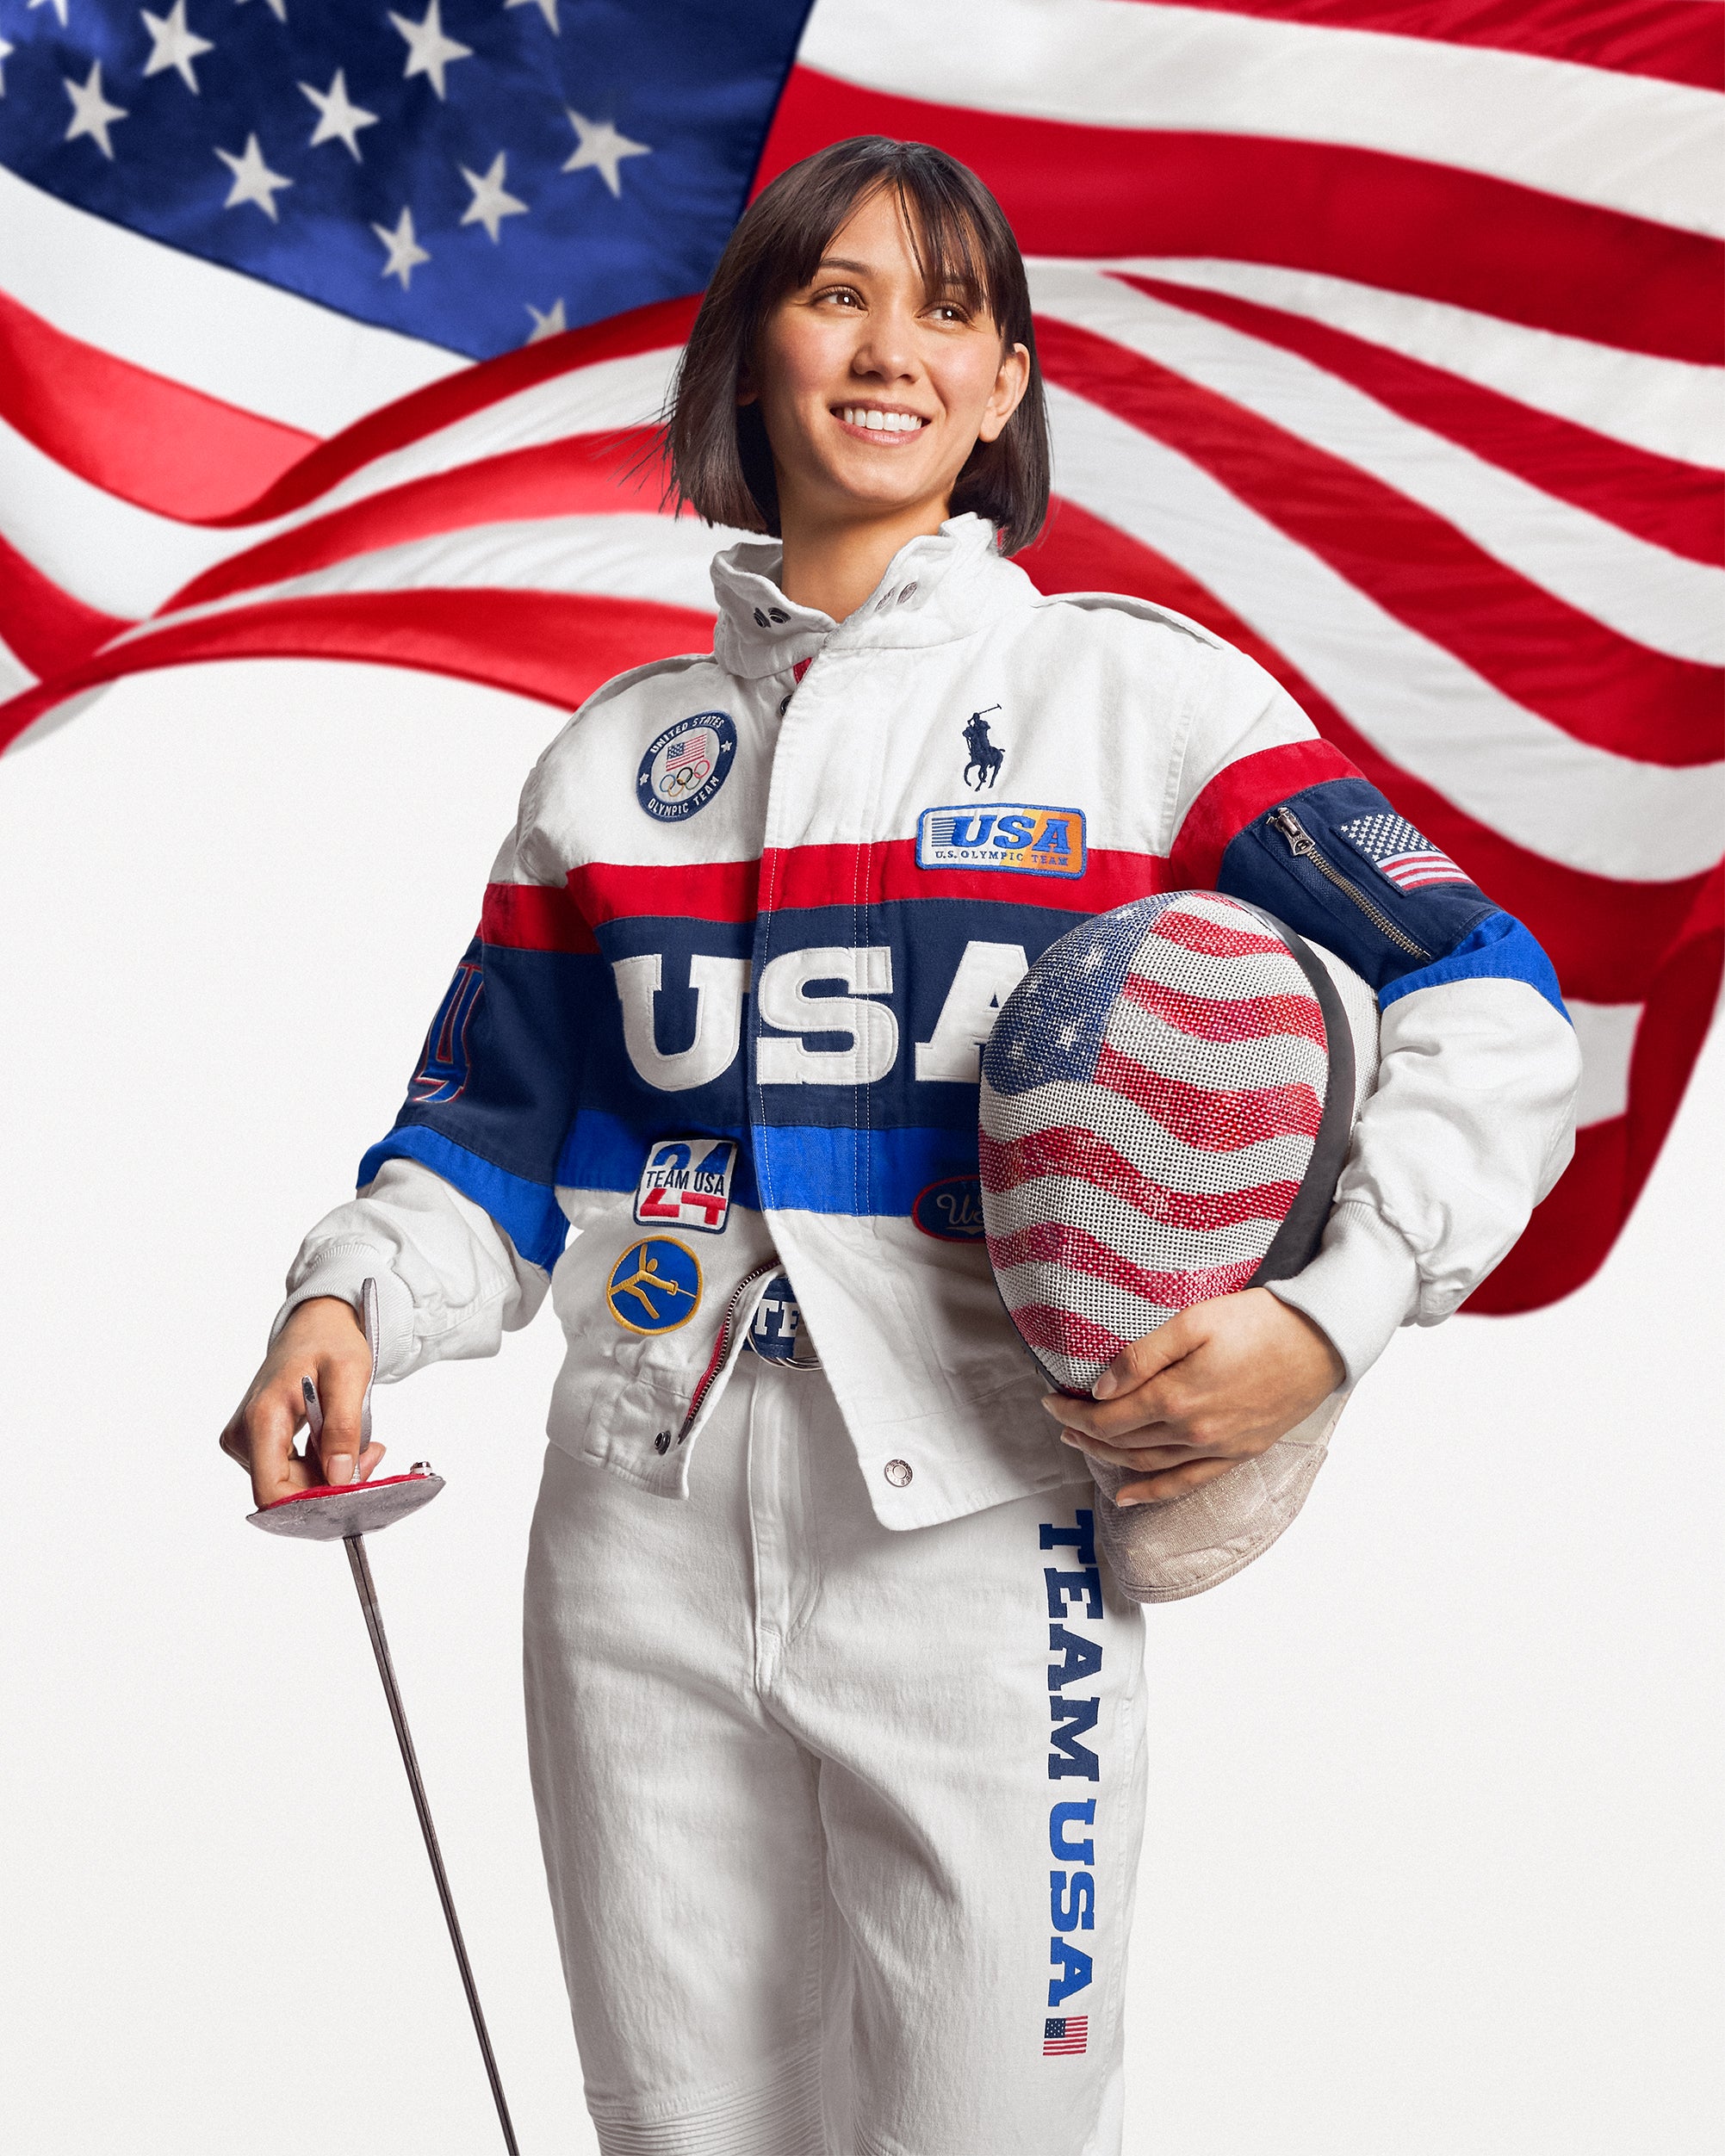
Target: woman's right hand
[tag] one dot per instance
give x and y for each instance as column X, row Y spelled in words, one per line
column 323, row 1340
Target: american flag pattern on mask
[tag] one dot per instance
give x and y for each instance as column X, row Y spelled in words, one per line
column 1151, row 1098
column 1064, row 2033
column 1407, row 857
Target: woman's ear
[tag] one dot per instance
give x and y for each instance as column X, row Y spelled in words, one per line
column 746, row 393
column 1010, row 384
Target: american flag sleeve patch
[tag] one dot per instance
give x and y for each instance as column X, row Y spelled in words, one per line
column 1405, row 856
column 1064, row 2033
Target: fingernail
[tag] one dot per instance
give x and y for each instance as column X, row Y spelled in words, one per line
column 1126, row 1504
column 1068, row 1438
column 340, row 1468
column 1106, row 1386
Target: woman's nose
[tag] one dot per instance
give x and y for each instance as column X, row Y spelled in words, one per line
column 887, row 348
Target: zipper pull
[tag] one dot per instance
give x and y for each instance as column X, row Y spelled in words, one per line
column 1299, row 840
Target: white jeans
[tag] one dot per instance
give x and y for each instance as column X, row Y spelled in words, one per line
column 841, row 1825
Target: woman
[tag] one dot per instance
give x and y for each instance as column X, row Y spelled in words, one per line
column 839, row 1758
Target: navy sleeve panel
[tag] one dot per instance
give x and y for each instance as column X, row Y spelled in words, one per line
column 496, row 1086
column 1336, row 892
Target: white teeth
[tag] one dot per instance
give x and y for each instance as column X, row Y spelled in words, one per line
column 880, row 422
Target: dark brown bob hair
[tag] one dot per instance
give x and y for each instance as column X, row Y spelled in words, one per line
column 718, row 450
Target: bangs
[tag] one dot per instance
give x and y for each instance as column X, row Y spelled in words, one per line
column 940, row 227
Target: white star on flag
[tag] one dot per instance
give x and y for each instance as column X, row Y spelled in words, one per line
column 491, row 204
column 59, row 7
column 599, row 147
column 338, row 119
column 253, row 180
column 172, row 44
column 405, row 253
column 547, row 7
column 92, row 113
column 428, row 51
column 549, row 324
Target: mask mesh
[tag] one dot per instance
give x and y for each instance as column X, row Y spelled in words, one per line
column 1151, row 1098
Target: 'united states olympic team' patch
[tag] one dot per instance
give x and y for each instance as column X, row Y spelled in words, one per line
column 685, row 766
column 1008, row 834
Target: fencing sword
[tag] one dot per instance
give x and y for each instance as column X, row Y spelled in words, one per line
column 348, row 1513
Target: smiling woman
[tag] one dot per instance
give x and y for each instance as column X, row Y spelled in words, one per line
column 758, row 916
column 864, row 355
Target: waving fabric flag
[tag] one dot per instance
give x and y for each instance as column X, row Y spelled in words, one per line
column 1383, row 335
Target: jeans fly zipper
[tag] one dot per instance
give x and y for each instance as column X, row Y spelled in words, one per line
column 1301, row 843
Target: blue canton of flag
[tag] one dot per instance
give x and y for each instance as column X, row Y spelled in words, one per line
column 1405, row 856
column 473, row 172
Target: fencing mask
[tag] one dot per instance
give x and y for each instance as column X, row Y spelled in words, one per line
column 1167, row 1101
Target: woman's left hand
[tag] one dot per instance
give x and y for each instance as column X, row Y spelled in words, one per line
column 1214, row 1386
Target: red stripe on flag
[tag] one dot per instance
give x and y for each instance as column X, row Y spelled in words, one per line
column 532, row 917
column 1247, row 1017
column 46, row 627
column 1058, row 1243
column 556, row 646
column 582, row 475
column 1195, row 932
column 1065, row 1332
column 1667, row 503
column 1572, row 1233
column 1599, row 686
column 1082, row 1157
column 132, row 433
column 1675, row 41
column 1401, row 223
column 661, row 326
column 1205, row 1118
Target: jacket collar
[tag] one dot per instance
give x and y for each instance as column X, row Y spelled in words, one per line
column 937, row 588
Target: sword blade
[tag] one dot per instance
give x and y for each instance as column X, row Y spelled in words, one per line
column 361, row 1568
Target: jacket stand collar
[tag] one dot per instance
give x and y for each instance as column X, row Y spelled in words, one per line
column 937, row 588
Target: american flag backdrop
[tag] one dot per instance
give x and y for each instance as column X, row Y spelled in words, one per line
column 1383, row 335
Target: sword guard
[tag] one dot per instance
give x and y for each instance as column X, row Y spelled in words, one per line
column 331, row 1514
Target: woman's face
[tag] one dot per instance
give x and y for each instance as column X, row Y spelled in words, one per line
column 873, row 392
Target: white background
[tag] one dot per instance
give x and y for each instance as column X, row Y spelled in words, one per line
column 1432, row 1862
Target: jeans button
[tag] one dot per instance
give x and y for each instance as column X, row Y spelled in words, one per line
column 897, row 1473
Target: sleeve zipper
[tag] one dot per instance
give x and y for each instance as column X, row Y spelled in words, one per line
column 1302, row 844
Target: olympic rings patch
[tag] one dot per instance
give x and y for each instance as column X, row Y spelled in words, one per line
column 654, row 1286
column 685, row 766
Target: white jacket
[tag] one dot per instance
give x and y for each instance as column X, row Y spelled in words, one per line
column 736, row 961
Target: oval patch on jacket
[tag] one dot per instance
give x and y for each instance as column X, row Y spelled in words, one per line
column 685, row 766
column 951, row 1210
column 654, row 1286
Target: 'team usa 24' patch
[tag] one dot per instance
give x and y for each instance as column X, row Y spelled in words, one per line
column 1008, row 834
column 687, row 1184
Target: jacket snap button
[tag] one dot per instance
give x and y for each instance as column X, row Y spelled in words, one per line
column 661, row 1444
column 897, row 1473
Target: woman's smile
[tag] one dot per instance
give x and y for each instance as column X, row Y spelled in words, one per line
column 885, row 426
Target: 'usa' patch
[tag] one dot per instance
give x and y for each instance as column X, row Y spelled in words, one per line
column 1007, row 835
column 687, row 1184
column 1396, row 850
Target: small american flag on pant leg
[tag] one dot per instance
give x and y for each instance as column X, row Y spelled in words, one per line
column 1064, row 2033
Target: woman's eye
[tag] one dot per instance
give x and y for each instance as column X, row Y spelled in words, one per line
column 840, row 291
